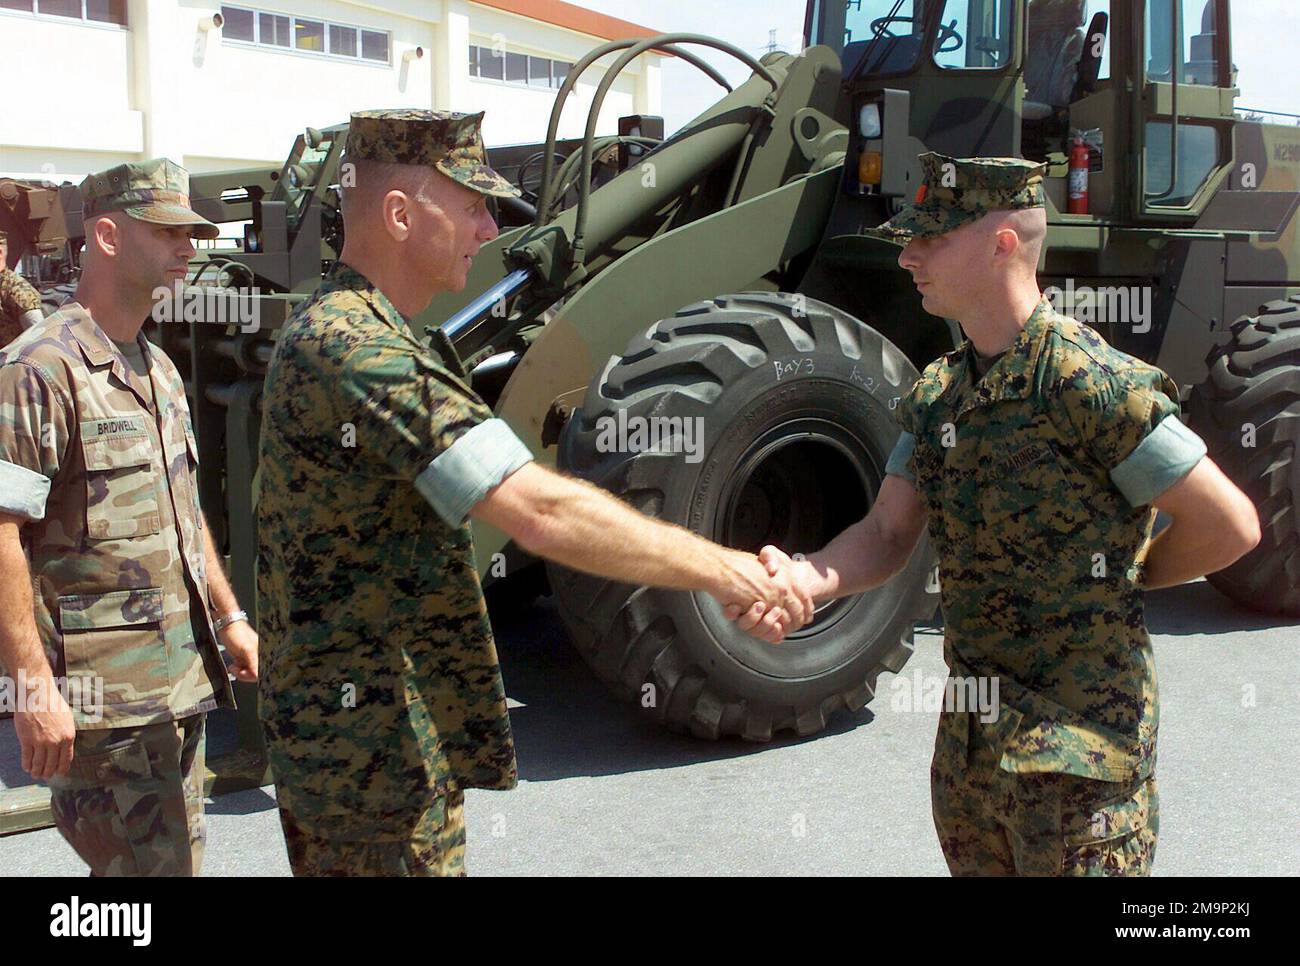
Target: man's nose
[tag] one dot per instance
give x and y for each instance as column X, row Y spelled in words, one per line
column 488, row 230
column 907, row 258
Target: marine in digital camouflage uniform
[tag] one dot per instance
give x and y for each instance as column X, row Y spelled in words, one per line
column 1040, row 511
column 381, row 697
column 98, row 460
column 17, row 300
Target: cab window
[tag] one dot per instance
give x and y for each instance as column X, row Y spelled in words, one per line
column 974, row 35
column 1197, row 42
column 890, row 33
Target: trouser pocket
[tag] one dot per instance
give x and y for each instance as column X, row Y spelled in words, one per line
column 132, row 803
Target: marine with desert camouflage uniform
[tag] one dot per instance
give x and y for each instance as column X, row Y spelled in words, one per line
column 98, row 485
column 381, row 697
column 1037, row 456
column 20, row 304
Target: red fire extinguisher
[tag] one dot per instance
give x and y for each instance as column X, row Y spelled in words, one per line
column 1078, row 180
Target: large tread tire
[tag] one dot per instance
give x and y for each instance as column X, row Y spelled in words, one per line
column 1254, row 381
column 752, row 367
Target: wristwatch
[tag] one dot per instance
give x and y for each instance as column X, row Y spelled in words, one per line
column 221, row 623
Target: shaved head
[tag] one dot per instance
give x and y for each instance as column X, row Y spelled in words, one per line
column 1030, row 226
column 372, row 180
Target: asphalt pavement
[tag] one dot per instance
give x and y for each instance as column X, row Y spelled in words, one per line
column 604, row 792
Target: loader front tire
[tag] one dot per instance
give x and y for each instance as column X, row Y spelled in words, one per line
column 789, row 403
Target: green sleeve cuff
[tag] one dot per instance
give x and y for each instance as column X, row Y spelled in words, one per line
column 23, row 492
column 1164, row 457
column 899, row 458
column 462, row 474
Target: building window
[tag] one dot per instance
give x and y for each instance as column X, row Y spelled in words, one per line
column 93, row 11
column 343, row 40
column 60, row 8
column 491, row 64
column 238, row 24
column 539, row 71
column 244, row 25
column 273, row 29
column 515, row 68
column 106, row 11
column 309, row 35
column 374, row 45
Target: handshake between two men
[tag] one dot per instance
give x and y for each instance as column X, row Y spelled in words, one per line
column 768, row 595
column 863, row 556
column 795, row 590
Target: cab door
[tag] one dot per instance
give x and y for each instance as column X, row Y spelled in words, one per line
column 1183, row 108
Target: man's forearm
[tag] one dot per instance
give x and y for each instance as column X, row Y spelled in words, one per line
column 860, row 558
column 20, row 642
column 223, row 595
column 585, row 528
column 1180, row 553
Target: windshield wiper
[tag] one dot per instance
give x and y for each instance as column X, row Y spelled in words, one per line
column 875, row 40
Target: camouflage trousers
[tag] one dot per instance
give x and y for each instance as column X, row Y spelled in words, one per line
column 434, row 845
column 132, row 802
column 993, row 822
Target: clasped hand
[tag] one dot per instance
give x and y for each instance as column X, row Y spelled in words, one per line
column 769, row 595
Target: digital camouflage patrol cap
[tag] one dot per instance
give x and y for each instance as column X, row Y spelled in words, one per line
column 444, row 140
column 956, row 191
column 156, row 191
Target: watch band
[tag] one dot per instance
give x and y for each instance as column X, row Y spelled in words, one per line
column 221, row 623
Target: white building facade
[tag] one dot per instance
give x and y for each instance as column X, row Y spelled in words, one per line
column 92, row 83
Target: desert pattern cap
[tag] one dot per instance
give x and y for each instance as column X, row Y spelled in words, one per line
column 156, row 191
column 956, row 191
column 448, row 141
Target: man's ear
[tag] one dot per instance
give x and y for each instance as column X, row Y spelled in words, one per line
column 397, row 215
column 106, row 237
column 1006, row 242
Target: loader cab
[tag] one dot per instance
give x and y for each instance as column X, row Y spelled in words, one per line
column 1117, row 73
column 1148, row 81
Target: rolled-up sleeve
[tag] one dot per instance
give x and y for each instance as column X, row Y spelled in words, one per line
column 1130, row 424
column 420, row 423
column 900, row 459
column 33, row 438
column 1167, row 454
column 462, row 475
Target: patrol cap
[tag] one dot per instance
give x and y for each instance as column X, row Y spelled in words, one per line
column 448, row 141
column 956, row 191
column 156, row 191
